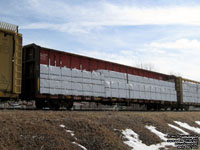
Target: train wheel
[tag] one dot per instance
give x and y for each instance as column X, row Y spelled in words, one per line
column 69, row 105
column 148, row 107
column 54, row 105
column 39, row 104
column 186, row 108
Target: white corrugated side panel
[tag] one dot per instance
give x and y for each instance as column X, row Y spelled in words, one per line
column 123, row 93
column 87, row 74
column 96, row 75
column 77, row 73
column 158, row 96
column 146, row 80
column 148, row 95
column 86, row 93
column 168, row 97
column 66, row 85
column 106, row 73
column 114, row 85
column 114, row 79
column 77, row 93
column 107, row 78
column 158, row 90
column 54, row 70
column 122, row 85
column 142, row 95
column 168, row 90
column 131, row 94
column 108, row 92
column 153, row 88
column 137, row 87
column 159, row 82
column 147, row 88
column 153, row 95
column 130, row 86
column 55, row 77
column 44, row 90
column 44, row 83
column 66, row 92
column 66, row 78
column 44, row 76
column 156, row 82
column 44, row 69
column 198, row 99
column 172, row 97
column 115, row 93
column 140, row 79
column 102, row 77
column 87, row 87
column 103, row 94
column 88, row 81
column 124, row 76
column 77, row 86
column 96, row 81
column 103, row 89
column 98, row 94
column 107, row 84
column 132, row 78
column 118, row 75
column 55, row 84
column 77, row 79
column 66, row 71
column 172, row 85
column 96, row 88
column 165, row 84
column 118, row 80
column 162, row 96
column 137, row 94
column 151, row 81
column 113, row 74
column 175, row 97
column 162, row 83
column 168, row 84
column 54, row 91
column 142, row 87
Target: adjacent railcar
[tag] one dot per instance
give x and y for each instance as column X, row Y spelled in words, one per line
column 34, row 56
column 10, row 61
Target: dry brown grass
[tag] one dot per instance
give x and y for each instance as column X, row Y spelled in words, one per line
column 40, row 130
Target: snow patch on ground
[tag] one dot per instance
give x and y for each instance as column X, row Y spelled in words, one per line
column 161, row 135
column 62, row 126
column 71, row 132
column 81, row 146
column 187, row 126
column 178, row 129
column 136, row 144
column 73, row 135
column 197, row 122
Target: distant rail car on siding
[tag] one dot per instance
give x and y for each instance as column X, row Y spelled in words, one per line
column 55, row 79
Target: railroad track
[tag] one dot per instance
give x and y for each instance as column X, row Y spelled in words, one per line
column 91, row 109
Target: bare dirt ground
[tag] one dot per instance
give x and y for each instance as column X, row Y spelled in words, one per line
column 40, row 130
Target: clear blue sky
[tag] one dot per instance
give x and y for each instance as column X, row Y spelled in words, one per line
column 162, row 33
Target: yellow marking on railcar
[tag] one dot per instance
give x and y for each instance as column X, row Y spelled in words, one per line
column 1, row 94
column 68, row 97
column 38, row 84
